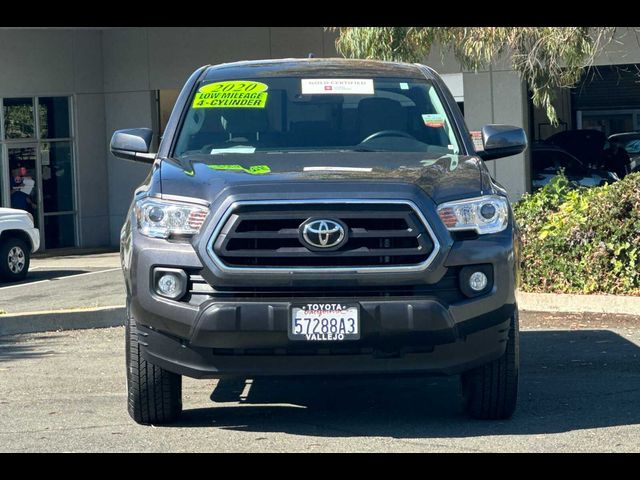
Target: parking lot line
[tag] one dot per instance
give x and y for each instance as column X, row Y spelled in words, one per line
column 60, row 278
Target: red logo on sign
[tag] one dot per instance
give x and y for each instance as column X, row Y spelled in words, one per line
column 328, row 87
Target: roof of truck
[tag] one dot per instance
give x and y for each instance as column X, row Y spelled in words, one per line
column 327, row 67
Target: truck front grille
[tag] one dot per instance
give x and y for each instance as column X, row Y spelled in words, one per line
column 446, row 290
column 268, row 236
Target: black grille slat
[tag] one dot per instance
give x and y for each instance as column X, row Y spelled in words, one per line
column 446, row 290
column 364, row 233
column 268, row 236
column 303, row 252
column 354, row 232
column 297, row 214
column 282, row 233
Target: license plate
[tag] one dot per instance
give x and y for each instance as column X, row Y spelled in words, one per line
column 324, row 322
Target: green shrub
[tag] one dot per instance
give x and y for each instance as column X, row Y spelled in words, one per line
column 581, row 240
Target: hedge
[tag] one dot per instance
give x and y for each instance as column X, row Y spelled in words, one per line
column 581, row 240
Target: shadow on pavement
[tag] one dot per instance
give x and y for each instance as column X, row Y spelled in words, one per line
column 569, row 380
column 38, row 275
column 14, row 347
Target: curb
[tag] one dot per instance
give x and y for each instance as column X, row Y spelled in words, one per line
column 569, row 303
column 33, row 322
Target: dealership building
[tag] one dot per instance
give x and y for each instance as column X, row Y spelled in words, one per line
column 65, row 90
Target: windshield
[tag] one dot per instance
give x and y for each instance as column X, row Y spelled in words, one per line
column 293, row 114
column 631, row 146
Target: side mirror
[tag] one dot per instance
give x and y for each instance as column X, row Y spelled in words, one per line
column 502, row 141
column 133, row 144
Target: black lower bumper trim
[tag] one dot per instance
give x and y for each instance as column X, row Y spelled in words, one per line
column 177, row 356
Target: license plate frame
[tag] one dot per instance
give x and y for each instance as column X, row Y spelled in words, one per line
column 307, row 322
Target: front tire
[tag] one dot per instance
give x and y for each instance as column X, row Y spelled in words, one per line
column 15, row 256
column 154, row 394
column 490, row 391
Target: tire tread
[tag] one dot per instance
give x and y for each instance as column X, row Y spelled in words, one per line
column 490, row 391
column 154, row 395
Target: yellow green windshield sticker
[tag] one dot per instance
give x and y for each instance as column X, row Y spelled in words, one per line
column 254, row 170
column 231, row 94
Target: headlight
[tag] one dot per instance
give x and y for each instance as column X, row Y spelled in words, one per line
column 488, row 214
column 161, row 218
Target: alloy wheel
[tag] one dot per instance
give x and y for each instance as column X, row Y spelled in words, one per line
column 16, row 260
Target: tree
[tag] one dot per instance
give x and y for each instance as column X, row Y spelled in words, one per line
column 545, row 57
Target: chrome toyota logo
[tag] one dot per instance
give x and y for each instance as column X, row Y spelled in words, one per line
column 322, row 233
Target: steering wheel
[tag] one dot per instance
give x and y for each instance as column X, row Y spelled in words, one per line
column 388, row 133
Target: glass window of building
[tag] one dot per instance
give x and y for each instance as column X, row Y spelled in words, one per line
column 18, row 118
column 37, row 165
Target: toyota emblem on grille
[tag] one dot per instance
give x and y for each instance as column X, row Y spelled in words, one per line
column 322, row 233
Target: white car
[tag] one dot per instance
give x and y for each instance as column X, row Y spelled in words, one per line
column 18, row 240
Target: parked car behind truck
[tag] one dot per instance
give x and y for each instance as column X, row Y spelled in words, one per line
column 629, row 142
column 18, row 240
column 548, row 160
column 319, row 216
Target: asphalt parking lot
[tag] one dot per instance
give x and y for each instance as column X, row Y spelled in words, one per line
column 56, row 283
column 579, row 391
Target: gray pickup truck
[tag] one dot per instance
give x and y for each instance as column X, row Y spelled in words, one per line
column 319, row 216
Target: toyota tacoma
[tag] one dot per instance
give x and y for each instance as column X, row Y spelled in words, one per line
column 319, row 216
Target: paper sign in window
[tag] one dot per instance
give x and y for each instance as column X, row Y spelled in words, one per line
column 337, row 86
column 476, row 137
column 434, row 120
column 231, row 94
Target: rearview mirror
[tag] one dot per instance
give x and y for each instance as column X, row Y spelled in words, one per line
column 502, row 141
column 133, row 144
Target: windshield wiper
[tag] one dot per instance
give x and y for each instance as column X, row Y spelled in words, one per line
column 366, row 149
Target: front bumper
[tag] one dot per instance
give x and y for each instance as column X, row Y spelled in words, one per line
column 34, row 235
column 239, row 333
column 450, row 358
column 230, row 336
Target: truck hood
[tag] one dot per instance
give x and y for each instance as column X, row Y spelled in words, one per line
column 442, row 178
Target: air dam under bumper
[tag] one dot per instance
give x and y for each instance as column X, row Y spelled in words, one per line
column 397, row 336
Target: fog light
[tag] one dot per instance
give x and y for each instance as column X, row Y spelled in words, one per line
column 170, row 283
column 477, row 281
